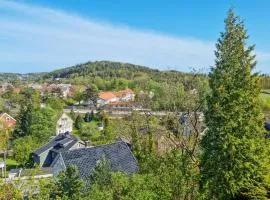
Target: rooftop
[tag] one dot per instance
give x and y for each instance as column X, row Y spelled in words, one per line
column 118, row 154
column 60, row 143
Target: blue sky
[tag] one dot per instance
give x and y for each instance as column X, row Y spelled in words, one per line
column 42, row 35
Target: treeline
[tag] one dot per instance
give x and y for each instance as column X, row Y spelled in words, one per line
column 107, row 70
column 265, row 81
column 160, row 90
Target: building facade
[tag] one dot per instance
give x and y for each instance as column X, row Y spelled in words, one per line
column 64, row 124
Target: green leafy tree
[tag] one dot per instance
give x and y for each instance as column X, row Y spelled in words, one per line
column 72, row 115
column 42, row 125
column 89, row 131
column 55, row 103
column 91, row 93
column 102, row 173
column 39, row 123
column 22, row 148
column 78, row 96
column 69, row 184
column 9, row 192
column 31, row 97
column 234, row 147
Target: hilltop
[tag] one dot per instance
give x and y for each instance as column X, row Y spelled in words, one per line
column 101, row 71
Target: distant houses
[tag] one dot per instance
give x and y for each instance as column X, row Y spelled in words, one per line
column 65, row 89
column 109, row 97
column 5, row 86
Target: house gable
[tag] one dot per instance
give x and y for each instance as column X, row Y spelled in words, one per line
column 46, row 154
column 8, row 120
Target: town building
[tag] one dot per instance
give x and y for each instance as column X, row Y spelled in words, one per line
column 45, row 155
column 118, row 155
column 5, row 86
column 7, row 121
column 64, row 89
column 64, row 124
column 105, row 98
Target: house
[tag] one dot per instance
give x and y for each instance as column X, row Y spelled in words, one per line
column 46, row 154
column 36, row 86
column 125, row 95
column 190, row 121
column 64, row 124
column 118, row 154
column 5, row 86
column 105, row 98
column 65, row 89
column 7, row 120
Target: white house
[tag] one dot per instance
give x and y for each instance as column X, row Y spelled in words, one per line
column 64, row 124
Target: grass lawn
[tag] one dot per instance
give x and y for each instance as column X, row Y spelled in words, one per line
column 11, row 163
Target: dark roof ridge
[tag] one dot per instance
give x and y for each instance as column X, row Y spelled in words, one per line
column 98, row 146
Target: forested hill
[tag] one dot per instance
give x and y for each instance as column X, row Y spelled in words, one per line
column 107, row 70
column 101, row 68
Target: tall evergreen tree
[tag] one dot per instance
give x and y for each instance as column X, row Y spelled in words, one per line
column 233, row 156
column 78, row 122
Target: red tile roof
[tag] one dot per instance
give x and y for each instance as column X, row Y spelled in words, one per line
column 110, row 95
column 106, row 95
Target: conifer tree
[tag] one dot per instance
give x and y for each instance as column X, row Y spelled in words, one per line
column 234, row 147
column 78, row 122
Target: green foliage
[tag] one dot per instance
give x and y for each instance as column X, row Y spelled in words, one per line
column 169, row 88
column 88, row 117
column 22, row 148
column 89, row 131
column 102, row 173
column 165, row 178
column 9, row 192
column 11, row 97
column 43, row 124
column 234, row 147
column 72, row 115
column 265, row 102
column 91, row 93
column 78, row 122
column 31, row 97
column 69, row 185
column 34, row 128
column 39, row 123
column 55, row 103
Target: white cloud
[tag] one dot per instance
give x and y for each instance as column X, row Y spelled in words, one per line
column 41, row 39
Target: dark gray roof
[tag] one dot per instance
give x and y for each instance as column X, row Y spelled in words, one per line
column 118, row 154
column 60, row 143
